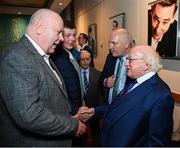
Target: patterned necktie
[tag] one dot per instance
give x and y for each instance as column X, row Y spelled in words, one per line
column 117, row 79
column 128, row 87
column 85, row 82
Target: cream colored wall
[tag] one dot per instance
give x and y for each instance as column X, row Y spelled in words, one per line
column 98, row 11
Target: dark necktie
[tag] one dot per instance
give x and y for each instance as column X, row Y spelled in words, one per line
column 85, row 81
column 117, row 79
column 128, row 87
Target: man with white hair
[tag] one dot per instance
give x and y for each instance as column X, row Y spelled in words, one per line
column 141, row 115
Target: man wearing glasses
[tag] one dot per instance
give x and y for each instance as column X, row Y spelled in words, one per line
column 113, row 76
column 142, row 114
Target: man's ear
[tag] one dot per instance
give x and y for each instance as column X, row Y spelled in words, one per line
column 40, row 27
column 147, row 67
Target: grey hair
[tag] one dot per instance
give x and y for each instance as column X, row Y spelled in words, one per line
column 153, row 59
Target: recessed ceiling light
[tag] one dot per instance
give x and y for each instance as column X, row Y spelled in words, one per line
column 60, row 4
column 19, row 12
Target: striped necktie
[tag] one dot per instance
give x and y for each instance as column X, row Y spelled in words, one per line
column 85, row 82
column 117, row 79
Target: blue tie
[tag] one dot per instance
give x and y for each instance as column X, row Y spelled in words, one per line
column 85, row 82
column 128, row 87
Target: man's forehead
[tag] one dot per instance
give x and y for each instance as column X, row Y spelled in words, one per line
column 68, row 30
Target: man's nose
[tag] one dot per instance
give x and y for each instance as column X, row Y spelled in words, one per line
column 61, row 38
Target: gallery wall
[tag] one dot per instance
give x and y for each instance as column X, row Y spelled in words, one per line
column 99, row 11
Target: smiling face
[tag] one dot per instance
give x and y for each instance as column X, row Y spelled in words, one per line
column 136, row 64
column 69, row 38
column 45, row 28
column 53, row 34
column 162, row 17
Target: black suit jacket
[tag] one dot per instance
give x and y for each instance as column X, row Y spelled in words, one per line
column 94, row 97
column 167, row 46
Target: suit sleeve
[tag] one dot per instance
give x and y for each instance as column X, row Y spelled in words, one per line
column 161, row 122
column 20, row 89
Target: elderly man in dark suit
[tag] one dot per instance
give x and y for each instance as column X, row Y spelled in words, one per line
column 35, row 110
column 112, row 81
column 142, row 114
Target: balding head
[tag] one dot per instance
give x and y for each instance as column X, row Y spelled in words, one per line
column 45, row 28
column 119, row 42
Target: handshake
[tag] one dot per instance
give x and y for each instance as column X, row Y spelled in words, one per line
column 84, row 114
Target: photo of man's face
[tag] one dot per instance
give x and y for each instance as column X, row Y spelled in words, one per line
column 162, row 27
column 162, row 17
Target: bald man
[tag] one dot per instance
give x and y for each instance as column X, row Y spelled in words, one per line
column 35, row 110
column 113, row 76
column 141, row 115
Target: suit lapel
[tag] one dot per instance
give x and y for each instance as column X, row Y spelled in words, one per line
column 125, row 103
column 39, row 58
column 50, row 72
column 77, row 68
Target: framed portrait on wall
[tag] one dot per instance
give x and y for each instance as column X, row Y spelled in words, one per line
column 163, row 27
column 92, row 38
column 118, row 21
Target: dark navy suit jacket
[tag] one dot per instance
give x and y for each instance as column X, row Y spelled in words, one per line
column 143, row 117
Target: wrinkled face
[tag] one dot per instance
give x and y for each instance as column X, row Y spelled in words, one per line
column 52, row 34
column 69, row 38
column 117, row 48
column 135, row 64
column 162, row 17
column 85, row 59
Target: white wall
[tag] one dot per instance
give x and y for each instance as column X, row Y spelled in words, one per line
column 98, row 11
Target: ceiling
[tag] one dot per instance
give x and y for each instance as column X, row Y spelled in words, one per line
column 27, row 7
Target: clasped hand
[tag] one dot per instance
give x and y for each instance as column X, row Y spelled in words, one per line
column 84, row 113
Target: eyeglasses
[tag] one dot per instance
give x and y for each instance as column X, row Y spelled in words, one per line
column 130, row 60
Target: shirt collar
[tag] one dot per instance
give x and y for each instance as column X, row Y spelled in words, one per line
column 70, row 54
column 145, row 77
column 39, row 49
column 82, row 69
column 82, row 47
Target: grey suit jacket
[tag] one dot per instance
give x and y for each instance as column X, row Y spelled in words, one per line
column 34, row 108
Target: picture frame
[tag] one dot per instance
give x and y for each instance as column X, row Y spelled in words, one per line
column 162, row 30
column 92, row 38
column 118, row 20
column 172, row 61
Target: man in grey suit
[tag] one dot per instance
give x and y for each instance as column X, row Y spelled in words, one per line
column 34, row 107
